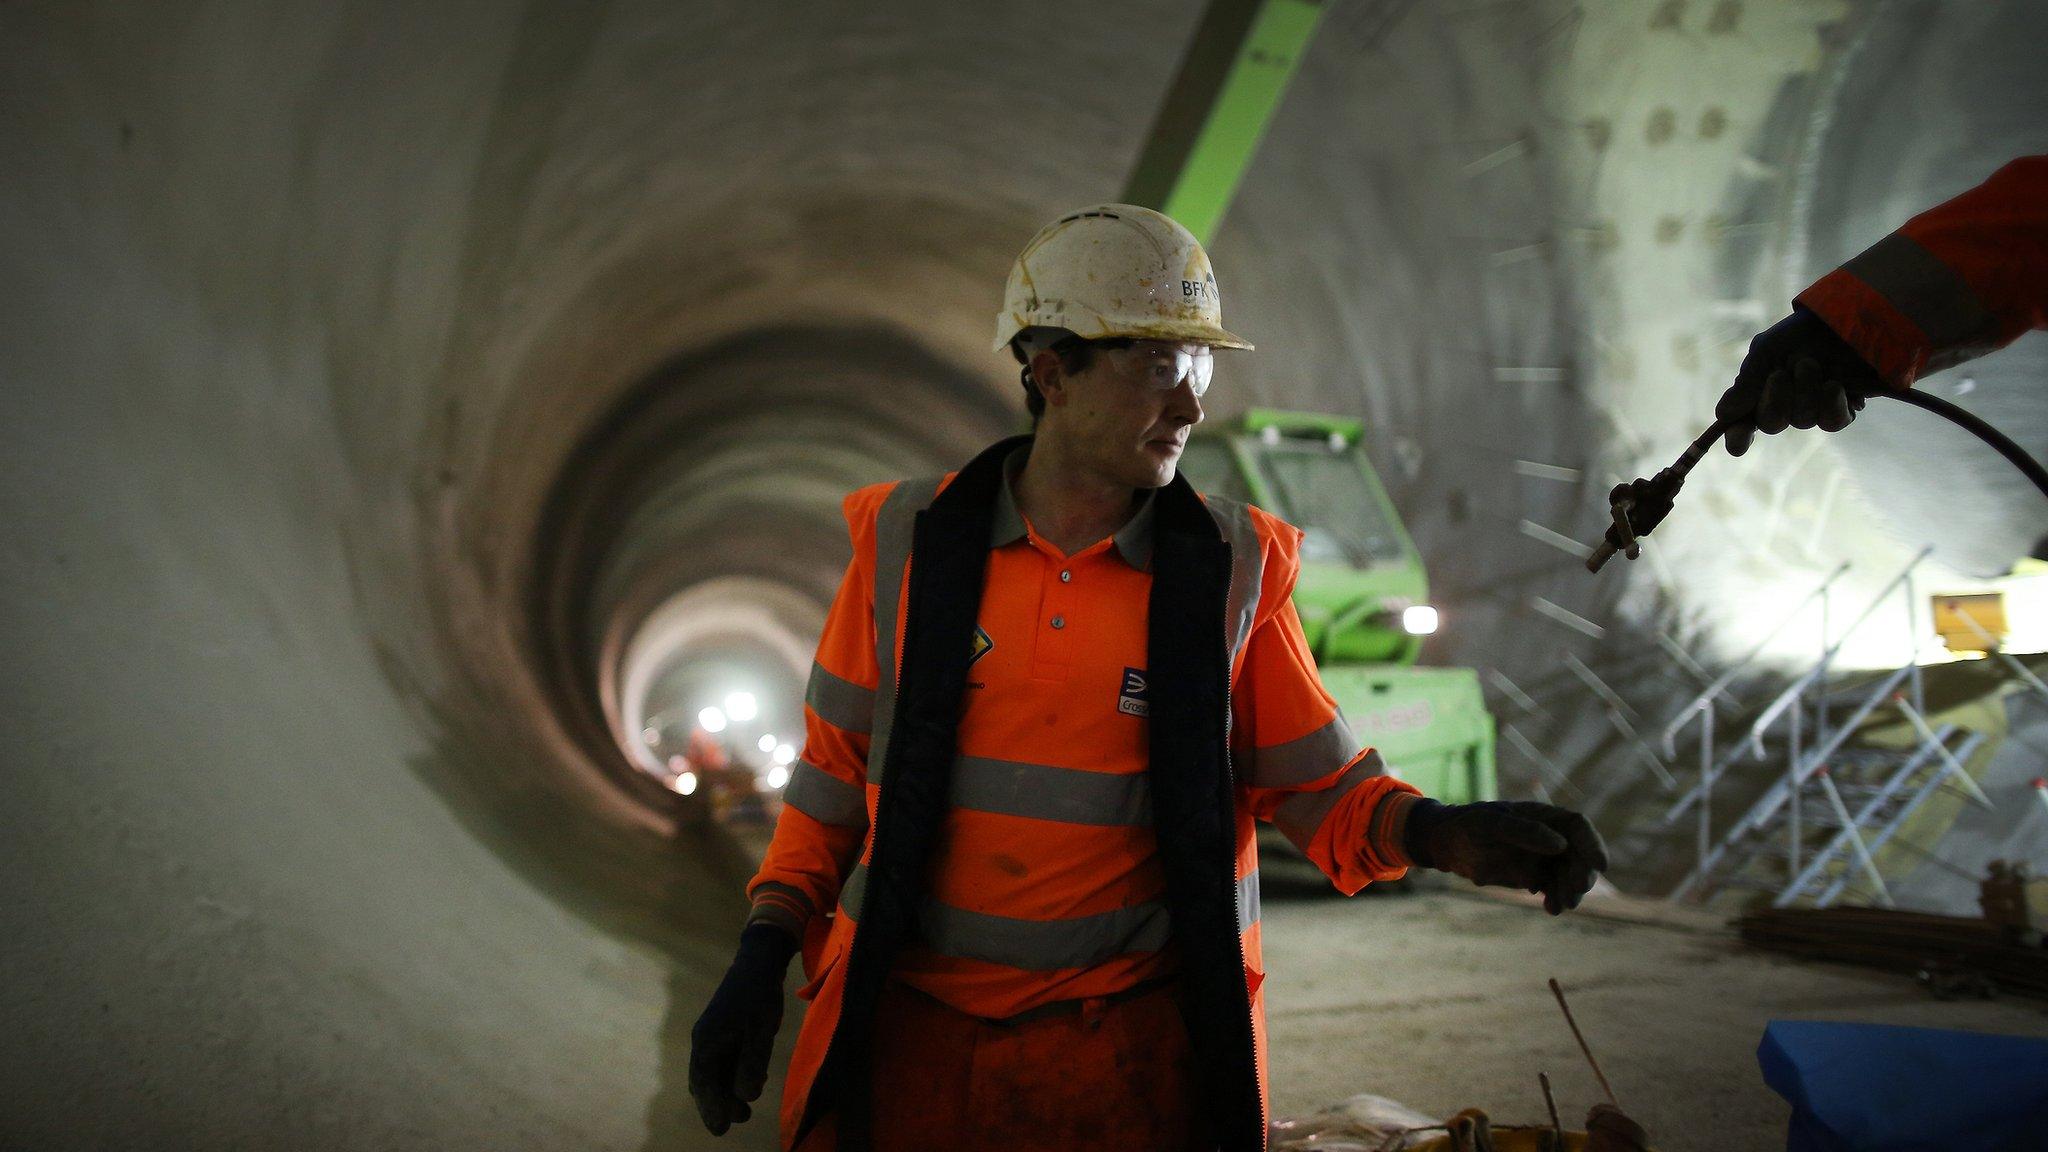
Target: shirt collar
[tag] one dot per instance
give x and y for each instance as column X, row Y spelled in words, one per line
column 1133, row 542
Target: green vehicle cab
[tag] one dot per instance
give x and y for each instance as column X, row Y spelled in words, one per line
column 1362, row 596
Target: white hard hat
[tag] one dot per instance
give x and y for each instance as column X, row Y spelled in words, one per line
column 1115, row 270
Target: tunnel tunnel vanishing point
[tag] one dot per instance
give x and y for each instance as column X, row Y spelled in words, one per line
column 397, row 394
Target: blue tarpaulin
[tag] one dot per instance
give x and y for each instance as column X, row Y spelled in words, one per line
column 1874, row 1088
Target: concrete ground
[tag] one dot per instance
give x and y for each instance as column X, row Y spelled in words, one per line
column 1436, row 998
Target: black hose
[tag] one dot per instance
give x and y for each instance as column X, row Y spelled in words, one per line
column 1655, row 494
column 1985, row 432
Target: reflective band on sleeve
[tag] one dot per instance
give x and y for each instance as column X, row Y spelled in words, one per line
column 1247, row 900
column 780, row 904
column 1042, row 792
column 895, row 523
column 826, row 798
column 1033, row 945
column 1311, row 757
column 1299, row 816
column 1926, row 291
column 841, row 703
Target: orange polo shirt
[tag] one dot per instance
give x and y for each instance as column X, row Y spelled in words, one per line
column 1052, row 816
column 1045, row 882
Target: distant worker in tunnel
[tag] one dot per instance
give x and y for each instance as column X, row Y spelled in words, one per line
column 1036, row 828
column 1963, row 278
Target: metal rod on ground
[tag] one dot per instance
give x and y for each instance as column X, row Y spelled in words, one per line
column 1557, row 991
column 1550, row 1102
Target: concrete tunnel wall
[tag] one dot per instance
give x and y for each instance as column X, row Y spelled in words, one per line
column 372, row 370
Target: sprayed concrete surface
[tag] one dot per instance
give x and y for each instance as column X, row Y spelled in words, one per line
column 1437, row 998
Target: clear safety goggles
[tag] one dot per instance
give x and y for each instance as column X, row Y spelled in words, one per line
column 1164, row 365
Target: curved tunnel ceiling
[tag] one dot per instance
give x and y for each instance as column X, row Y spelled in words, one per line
column 378, row 374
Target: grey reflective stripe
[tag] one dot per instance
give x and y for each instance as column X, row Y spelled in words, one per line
column 1247, row 570
column 840, row 703
column 1310, row 757
column 895, row 523
column 1299, row 816
column 1042, row 792
column 1248, row 900
column 1927, row 292
column 1033, row 945
column 826, row 798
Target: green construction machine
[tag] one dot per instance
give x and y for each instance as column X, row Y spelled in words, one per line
column 1362, row 595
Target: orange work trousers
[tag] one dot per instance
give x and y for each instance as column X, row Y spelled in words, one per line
column 1113, row 1076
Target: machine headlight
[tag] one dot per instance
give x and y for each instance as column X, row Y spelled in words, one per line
column 1418, row 619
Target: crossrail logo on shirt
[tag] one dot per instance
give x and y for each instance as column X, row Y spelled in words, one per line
column 1131, row 699
column 981, row 645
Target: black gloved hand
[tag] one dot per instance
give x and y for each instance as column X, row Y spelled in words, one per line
column 1511, row 844
column 731, row 1042
column 1798, row 373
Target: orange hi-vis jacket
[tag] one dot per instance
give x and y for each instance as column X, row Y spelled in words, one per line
column 1961, row 279
column 1044, row 878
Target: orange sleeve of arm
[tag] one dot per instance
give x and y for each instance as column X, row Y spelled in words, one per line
column 1963, row 278
column 825, row 809
column 1301, row 767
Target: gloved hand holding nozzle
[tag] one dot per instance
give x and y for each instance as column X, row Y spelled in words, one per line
column 1797, row 374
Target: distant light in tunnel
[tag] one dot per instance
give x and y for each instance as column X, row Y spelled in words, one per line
column 767, row 742
column 778, row 776
column 784, row 754
column 711, row 720
column 686, row 783
column 651, row 736
column 742, row 706
column 1419, row 620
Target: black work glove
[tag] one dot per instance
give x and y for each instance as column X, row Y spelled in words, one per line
column 1798, row 373
column 732, row 1040
column 1510, row 844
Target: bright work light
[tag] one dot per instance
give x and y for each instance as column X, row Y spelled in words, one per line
column 1418, row 619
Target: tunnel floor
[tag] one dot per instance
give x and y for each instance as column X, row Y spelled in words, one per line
column 1436, row 997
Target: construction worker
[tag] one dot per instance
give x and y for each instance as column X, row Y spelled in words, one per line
column 1961, row 279
column 1036, row 825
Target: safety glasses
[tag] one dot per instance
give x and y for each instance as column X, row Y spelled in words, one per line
column 1163, row 365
